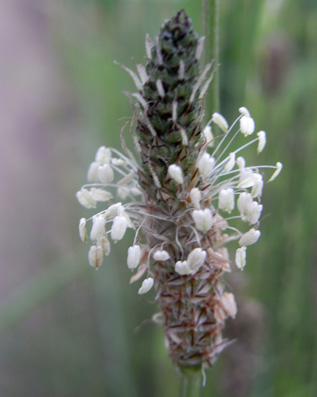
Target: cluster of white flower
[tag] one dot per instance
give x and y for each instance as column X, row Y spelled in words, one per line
column 227, row 181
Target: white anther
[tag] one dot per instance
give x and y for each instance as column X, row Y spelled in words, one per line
column 119, row 228
column 134, row 256
column 262, row 141
column 98, row 227
column 250, row 237
column 226, row 200
column 161, row 256
column 146, row 286
column 176, row 173
column 202, row 219
column 247, row 125
column 105, row 173
column 240, row 257
column 195, row 197
column 83, row 230
column 206, row 164
column 95, row 256
column 220, row 121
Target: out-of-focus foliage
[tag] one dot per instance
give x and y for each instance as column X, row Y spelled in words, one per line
column 74, row 335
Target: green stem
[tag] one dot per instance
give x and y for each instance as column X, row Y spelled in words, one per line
column 210, row 9
column 191, row 382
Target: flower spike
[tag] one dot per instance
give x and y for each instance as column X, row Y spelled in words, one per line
column 176, row 197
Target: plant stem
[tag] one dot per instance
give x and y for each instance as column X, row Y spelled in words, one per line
column 191, row 382
column 210, row 17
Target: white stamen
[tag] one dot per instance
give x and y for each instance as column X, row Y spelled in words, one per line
column 258, row 186
column 134, row 256
column 104, row 243
column 207, row 131
column 247, row 125
column 176, row 173
column 240, row 163
column 202, row 219
column 250, row 237
column 100, row 194
column 92, row 174
column 279, row 167
column 95, row 256
column 98, row 227
column 182, row 268
column 229, row 304
column 146, row 286
column 226, row 200
column 84, row 198
column 206, row 164
column 195, row 197
column 262, row 141
column 83, row 230
column 119, row 228
column 220, row 121
column 105, row 173
column 244, row 111
column 161, row 256
column 230, row 163
column 103, row 155
column 196, row 259
column 240, row 257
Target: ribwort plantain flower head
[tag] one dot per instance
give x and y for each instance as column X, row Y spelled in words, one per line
column 181, row 191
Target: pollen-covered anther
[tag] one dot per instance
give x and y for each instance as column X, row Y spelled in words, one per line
column 206, row 164
column 229, row 304
column 250, row 210
column 119, row 228
column 161, row 255
column 176, row 173
column 92, row 174
column 247, row 125
column 226, row 200
column 244, row 111
column 182, row 268
column 196, row 259
column 258, row 186
column 104, row 243
column 103, row 155
column 230, row 162
column 195, row 197
column 146, row 286
column 95, row 256
column 134, row 256
column 250, row 237
column 83, row 230
column 262, row 141
column 98, row 227
column 202, row 219
column 220, row 121
column 105, row 173
column 240, row 257
column 100, row 194
column 207, row 132
column 279, row 167
column 85, row 199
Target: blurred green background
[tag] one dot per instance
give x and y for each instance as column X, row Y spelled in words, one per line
column 67, row 330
